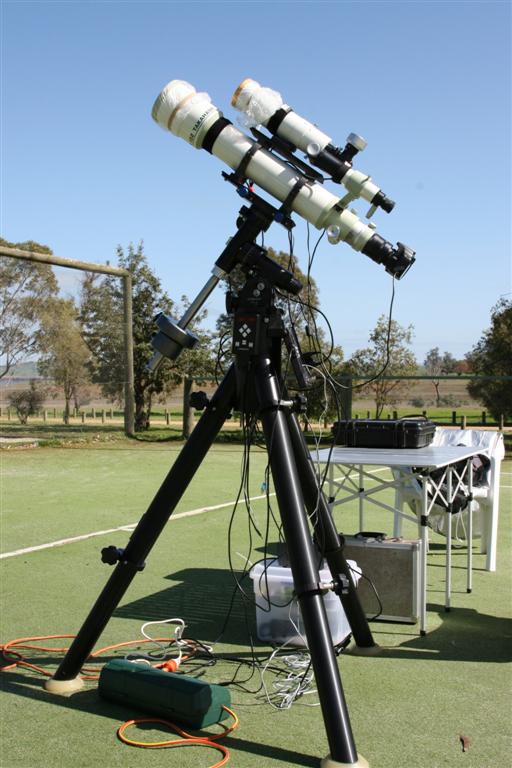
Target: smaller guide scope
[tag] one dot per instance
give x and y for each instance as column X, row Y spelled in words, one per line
column 263, row 106
column 183, row 111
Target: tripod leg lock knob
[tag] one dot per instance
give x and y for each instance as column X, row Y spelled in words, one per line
column 112, row 555
column 341, row 585
column 199, row 400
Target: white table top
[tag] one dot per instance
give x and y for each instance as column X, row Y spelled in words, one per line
column 432, row 457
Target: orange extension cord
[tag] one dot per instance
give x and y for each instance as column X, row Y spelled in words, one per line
column 25, row 643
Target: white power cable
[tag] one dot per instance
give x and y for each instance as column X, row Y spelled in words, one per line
column 161, row 653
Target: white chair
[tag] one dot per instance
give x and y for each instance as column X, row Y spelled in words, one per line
column 485, row 507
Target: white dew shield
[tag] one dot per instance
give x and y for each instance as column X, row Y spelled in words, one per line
column 259, row 104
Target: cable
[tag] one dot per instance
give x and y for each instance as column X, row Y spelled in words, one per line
column 26, row 643
column 186, row 740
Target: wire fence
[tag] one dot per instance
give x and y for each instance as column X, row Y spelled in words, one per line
column 445, row 401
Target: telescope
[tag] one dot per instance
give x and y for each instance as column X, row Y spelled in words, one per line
column 263, row 106
column 191, row 115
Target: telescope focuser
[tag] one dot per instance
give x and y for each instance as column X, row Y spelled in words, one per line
column 338, row 164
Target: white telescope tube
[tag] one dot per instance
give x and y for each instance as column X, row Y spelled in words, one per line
column 191, row 116
column 263, row 106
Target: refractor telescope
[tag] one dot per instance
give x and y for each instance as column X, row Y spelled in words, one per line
column 263, row 106
column 272, row 165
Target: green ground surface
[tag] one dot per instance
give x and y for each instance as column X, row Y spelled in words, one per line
column 408, row 707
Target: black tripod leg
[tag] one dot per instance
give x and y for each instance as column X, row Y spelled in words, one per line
column 327, row 536
column 304, row 567
column 145, row 534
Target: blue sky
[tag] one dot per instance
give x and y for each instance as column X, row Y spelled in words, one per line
column 426, row 83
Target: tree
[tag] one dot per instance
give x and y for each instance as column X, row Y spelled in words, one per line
column 102, row 329
column 101, row 311
column 25, row 287
column 371, row 361
column 327, row 399
column 26, row 402
column 437, row 365
column 492, row 356
column 65, row 354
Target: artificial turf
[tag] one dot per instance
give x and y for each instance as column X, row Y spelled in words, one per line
column 408, row 707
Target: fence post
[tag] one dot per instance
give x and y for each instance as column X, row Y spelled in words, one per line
column 54, row 413
column 463, row 422
column 8, row 414
column 502, row 422
column 93, row 413
column 346, row 396
column 103, row 416
column 44, row 416
column 83, row 417
column 484, row 418
column 424, row 413
column 167, row 418
column 368, row 416
column 111, row 413
column 395, row 415
column 454, row 417
column 356, row 416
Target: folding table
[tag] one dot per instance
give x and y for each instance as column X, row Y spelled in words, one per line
column 351, row 463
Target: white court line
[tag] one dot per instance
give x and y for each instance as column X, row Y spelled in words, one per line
column 128, row 527
column 131, row 526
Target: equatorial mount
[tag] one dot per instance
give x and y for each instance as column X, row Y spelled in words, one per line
column 173, row 336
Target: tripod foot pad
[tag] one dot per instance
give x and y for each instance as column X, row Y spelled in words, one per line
column 359, row 650
column 64, row 687
column 328, row 762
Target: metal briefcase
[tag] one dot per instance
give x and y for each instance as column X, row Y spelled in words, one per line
column 393, row 566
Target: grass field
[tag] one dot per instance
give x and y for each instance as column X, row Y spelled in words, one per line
column 408, row 707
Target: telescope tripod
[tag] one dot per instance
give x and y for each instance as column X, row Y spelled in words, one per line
column 254, row 385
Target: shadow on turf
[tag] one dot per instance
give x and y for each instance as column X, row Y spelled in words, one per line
column 208, row 599
column 464, row 635
column 90, row 702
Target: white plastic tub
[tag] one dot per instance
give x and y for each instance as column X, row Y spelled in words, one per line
column 281, row 621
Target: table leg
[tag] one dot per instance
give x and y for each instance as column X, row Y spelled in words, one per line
column 469, row 586
column 361, row 499
column 399, row 503
column 424, row 547
column 449, row 512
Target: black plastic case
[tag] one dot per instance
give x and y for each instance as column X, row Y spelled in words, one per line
column 414, row 432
